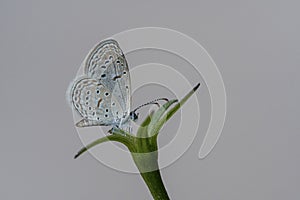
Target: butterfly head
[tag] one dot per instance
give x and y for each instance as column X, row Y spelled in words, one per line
column 134, row 116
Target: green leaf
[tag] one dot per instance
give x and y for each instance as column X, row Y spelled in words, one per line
column 171, row 112
column 177, row 106
column 143, row 127
column 157, row 116
column 126, row 140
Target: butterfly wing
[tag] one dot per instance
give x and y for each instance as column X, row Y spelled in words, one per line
column 101, row 57
column 102, row 96
column 92, row 101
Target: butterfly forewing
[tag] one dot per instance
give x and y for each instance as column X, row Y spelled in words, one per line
column 100, row 57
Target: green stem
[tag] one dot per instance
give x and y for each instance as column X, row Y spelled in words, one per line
column 148, row 166
column 155, row 184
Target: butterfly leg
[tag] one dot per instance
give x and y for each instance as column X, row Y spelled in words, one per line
column 129, row 129
column 116, row 130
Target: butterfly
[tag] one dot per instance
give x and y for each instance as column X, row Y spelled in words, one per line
column 102, row 96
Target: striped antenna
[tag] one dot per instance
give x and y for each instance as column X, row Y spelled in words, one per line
column 151, row 102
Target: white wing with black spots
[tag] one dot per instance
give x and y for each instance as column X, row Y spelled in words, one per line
column 102, row 95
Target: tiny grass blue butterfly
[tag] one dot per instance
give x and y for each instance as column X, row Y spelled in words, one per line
column 102, row 96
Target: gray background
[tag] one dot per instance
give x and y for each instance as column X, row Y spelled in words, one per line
column 255, row 45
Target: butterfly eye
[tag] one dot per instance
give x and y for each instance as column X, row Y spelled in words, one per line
column 103, row 66
column 106, row 115
column 106, row 93
column 106, row 110
column 124, row 72
column 88, row 92
column 103, row 75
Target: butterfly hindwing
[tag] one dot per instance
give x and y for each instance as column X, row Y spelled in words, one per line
column 90, row 98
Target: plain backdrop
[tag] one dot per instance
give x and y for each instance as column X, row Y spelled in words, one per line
column 255, row 45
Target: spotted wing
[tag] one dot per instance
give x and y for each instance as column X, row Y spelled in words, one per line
column 107, row 63
column 92, row 101
column 101, row 57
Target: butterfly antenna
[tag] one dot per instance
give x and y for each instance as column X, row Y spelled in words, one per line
column 160, row 99
column 151, row 102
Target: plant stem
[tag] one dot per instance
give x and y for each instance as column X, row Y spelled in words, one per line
column 148, row 166
column 155, row 184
